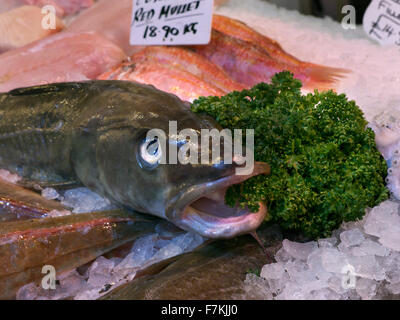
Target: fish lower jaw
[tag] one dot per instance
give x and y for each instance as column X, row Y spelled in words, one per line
column 222, row 225
column 202, row 209
column 205, row 212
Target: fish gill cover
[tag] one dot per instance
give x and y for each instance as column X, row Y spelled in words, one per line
column 325, row 167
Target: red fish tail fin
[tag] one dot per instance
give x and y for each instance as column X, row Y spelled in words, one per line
column 323, row 78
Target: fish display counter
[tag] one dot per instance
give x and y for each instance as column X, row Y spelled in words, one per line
column 262, row 165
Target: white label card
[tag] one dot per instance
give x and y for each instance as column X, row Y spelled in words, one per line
column 171, row 22
column 382, row 21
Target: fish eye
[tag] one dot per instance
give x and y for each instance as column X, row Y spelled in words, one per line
column 150, row 153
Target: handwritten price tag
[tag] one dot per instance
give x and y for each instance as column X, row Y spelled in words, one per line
column 382, row 21
column 171, row 22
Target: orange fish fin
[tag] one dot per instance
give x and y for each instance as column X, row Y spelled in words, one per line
column 323, row 78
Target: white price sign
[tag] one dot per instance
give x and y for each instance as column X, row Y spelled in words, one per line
column 171, row 22
column 382, row 21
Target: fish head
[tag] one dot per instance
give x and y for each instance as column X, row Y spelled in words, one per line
column 189, row 194
column 144, row 163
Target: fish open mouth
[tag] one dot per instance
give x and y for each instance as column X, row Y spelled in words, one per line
column 206, row 213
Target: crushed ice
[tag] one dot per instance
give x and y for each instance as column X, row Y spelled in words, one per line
column 362, row 261
column 80, row 200
column 105, row 274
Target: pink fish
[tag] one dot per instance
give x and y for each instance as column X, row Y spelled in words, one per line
column 7, row 5
column 110, row 18
column 190, row 62
column 23, row 25
column 58, row 58
column 63, row 7
column 168, row 78
column 248, row 63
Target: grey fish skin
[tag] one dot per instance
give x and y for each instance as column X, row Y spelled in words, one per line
column 91, row 132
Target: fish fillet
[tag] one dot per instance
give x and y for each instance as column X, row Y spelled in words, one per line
column 58, row 58
column 23, row 25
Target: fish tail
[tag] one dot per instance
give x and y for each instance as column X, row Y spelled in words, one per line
column 323, row 78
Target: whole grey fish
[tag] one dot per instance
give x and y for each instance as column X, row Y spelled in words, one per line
column 94, row 133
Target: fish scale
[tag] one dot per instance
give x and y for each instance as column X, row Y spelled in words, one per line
column 34, row 139
column 29, row 144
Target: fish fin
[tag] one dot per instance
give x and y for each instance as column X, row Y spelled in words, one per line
column 17, row 203
column 46, row 88
column 323, row 78
column 40, row 185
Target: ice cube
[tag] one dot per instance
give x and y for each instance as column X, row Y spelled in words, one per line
column 309, row 281
column 272, row 271
column 352, row 237
column 84, row 200
column 367, row 267
column 188, row 241
column 391, row 238
column 314, row 262
column 292, row 291
column 339, row 284
column 327, row 242
column 324, row 294
column 394, row 288
column 50, row 193
column 366, row 288
column 391, row 266
column 100, row 271
column 295, row 267
column 370, row 247
column 299, row 250
column 256, row 288
column 142, row 250
column 69, row 285
column 333, row 260
column 282, row 256
column 160, row 243
column 381, row 218
column 72, row 284
column 277, row 285
column 27, row 292
column 344, row 248
column 166, row 252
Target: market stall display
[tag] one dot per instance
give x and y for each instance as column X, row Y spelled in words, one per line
column 332, row 159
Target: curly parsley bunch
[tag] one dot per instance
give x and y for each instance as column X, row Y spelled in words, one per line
column 325, row 167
